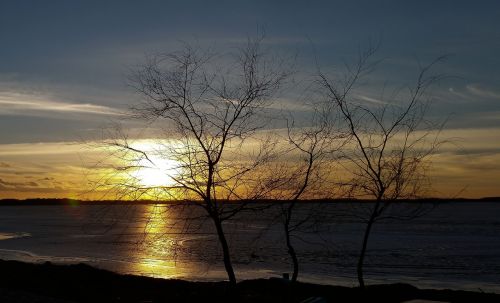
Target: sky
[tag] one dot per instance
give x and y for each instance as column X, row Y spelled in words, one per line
column 63, row 67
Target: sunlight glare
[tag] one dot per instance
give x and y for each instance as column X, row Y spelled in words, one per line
column 158, row 172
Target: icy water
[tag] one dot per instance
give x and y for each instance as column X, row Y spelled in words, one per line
column 456, row 245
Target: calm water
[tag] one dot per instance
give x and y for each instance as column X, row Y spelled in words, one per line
column 456, row 245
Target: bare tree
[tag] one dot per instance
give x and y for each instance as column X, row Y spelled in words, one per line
column 391, row 141
column 312, row 145
column 209, row 115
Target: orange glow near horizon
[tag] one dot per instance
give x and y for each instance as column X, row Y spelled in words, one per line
column 470, row 168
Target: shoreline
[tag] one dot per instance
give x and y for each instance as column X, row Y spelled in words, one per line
column 47, row 282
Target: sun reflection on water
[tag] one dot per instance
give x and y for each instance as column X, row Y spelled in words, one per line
column 158, row 254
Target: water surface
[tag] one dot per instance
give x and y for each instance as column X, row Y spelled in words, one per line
column 457, row 245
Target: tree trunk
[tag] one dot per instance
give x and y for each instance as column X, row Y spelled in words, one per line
column 225, row 250
column 365, row 244
column 362, row 254
column 293, row 254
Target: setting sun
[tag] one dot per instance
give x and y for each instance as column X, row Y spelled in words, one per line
column 157, row 172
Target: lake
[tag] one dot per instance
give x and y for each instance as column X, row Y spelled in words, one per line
column 454, row 245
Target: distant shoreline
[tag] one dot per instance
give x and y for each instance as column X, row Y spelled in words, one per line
column 76, row 202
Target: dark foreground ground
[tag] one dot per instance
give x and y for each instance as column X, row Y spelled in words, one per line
column 25, row 282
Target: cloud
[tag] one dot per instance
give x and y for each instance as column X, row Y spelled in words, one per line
column 6, row 184
column 458, row 94
column 482, row 92
column 34, row 105
column 372, row 100
column 2, row 182
column 48, row 148
column 28, row 190
column 46, row 179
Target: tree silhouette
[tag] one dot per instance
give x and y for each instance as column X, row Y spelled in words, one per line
column 391, row 142
column 313, row 145
column 208, row 113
